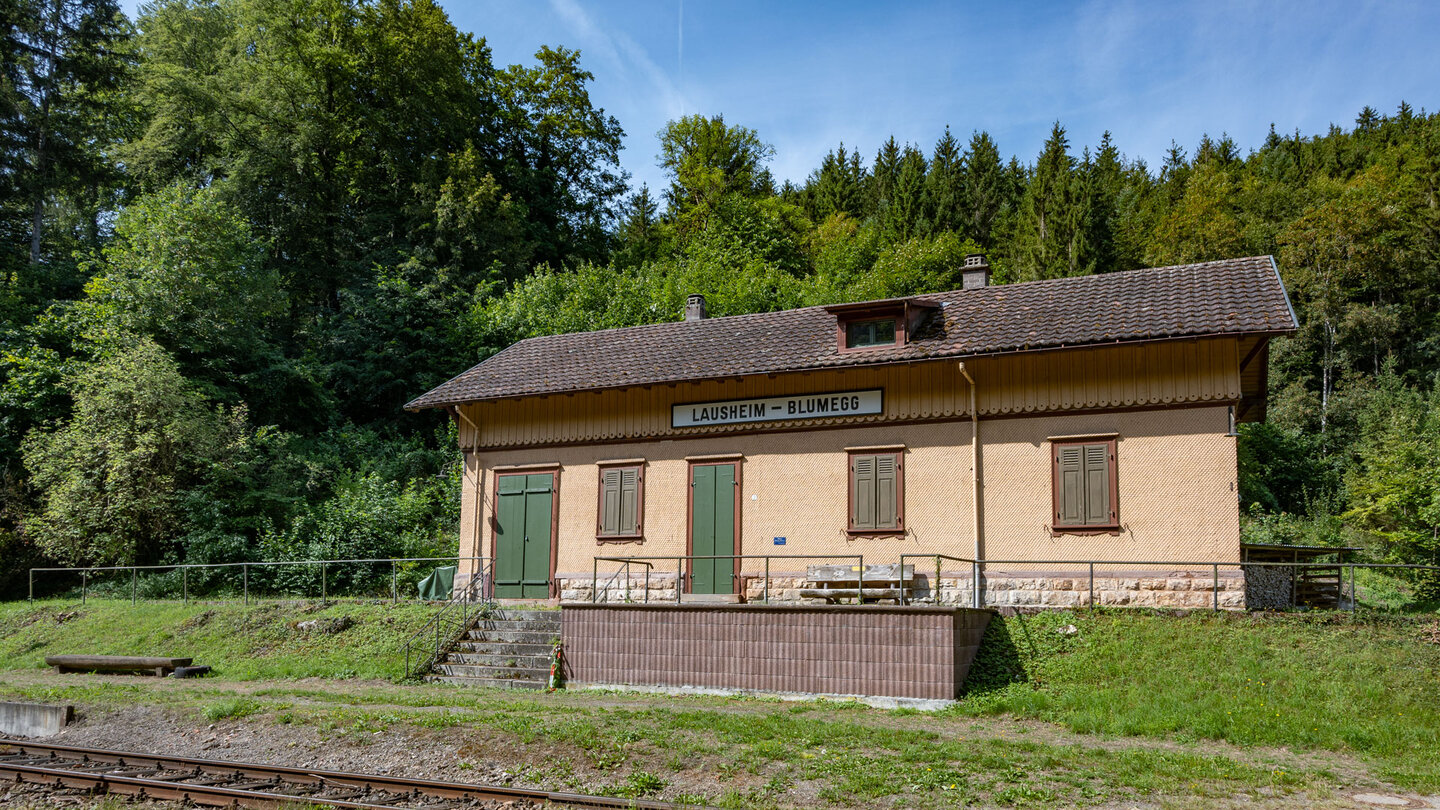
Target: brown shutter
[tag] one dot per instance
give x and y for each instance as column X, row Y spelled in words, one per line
column 629, row 520
column 1070, row 477
column 862, row 488
column 887, row 512
column 1097, row 485
column 610, row 502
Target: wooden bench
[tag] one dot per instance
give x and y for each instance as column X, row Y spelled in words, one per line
column 144, row 665
column 835, row 582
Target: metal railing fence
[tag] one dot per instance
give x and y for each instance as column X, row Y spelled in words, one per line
column 261, row 578
column 423, row 648
column 680, row 560
column 981, row 570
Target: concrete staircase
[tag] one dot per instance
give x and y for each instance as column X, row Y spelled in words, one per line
column 511, row 649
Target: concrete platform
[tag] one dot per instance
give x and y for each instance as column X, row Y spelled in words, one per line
column 34, row 719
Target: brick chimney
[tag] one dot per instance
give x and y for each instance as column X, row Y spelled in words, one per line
column 976, row 272
column 695, row 308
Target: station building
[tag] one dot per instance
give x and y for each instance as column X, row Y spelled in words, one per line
column 1034, row 426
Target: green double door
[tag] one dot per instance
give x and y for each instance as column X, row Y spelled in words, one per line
column 713, row 492
column 523, row 514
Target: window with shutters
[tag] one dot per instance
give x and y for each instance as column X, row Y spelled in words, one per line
column 877, row 493
column 1085, row 495
column 621, row 508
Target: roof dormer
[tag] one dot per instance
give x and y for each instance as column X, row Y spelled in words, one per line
column 879, row 324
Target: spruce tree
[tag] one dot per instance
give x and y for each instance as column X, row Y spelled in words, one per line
column 904, row 218
column 985, row 188
column 944, row 189
column 883, row 177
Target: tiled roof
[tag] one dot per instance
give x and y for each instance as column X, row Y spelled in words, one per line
column 1235, row 296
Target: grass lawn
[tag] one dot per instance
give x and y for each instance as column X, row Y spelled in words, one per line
column 243, row 643
column 1130, row 706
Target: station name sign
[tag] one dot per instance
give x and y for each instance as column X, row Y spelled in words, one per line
column 775, row 409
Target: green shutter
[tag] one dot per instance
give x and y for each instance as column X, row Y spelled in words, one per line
column 628, row 521
column 610, row 502
column 1070, row 477
column 887, row 505
column 1097, row 485
column 862, row 475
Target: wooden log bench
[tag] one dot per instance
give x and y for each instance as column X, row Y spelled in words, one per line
column 835, row 582
column 144, row 665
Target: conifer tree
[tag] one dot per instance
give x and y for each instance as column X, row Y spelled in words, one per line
column 1050, row 230
column 905, row 216
column 883, row 176
column 838, row 186
column 985, row 188
column 944, row 190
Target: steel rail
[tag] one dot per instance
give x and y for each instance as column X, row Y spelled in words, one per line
column 76, row 767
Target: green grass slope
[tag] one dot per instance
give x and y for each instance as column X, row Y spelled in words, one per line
column 1369, row 686
column 242, row 643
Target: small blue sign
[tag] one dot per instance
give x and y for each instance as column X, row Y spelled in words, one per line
column 779, row 541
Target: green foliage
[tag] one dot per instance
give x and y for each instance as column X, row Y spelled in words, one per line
column 113, row 475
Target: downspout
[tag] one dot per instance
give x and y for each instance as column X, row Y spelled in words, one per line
column 478, row 533
column 974, row 480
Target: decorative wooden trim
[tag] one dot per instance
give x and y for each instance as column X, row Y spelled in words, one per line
column 527, row 468
column 620, row 462
column 1114, row 470
column 850, row 528
column 639, row 536
column 879, row 448
column 712, row 461
column 1086, row 437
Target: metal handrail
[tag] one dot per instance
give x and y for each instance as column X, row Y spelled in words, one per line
column 977, row 592
column 482, row 581
column 626, row 571
column 184, row 568
column 680, row 569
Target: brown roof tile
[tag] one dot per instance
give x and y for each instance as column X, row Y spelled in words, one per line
column 1234, row 296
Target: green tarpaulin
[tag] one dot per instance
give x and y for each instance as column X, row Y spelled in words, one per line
column 438, row 585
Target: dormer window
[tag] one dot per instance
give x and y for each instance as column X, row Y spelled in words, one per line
column 877, row 332
column 879, row 324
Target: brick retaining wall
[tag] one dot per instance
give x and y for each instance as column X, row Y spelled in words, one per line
column 874, row 650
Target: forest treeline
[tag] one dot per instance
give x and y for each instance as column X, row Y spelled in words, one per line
column 236, row 236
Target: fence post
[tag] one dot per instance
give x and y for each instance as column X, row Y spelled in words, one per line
column 324, row 591
column 1215, row 570
column 679, row 577
column 647, row 584
column 938, row 591
column 185, row 585
column 1354, row 595
column 134, row 581
column 395, row 585
column 1092, row 585
column 595, row 579
column 975, row 584
column 32, row 585
column 84, row 585
column 860, row 583
column 767, row 579
column 245, row 578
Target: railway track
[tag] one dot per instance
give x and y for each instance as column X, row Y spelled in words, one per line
column 217, row 783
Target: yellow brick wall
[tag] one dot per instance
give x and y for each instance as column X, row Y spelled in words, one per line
column 1176, row 472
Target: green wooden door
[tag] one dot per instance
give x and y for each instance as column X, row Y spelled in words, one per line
column 712, row 526
column 522, row 536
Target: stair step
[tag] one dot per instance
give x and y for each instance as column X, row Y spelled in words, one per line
column 492, row 683
column 529, row 615
column 502, row 648
column 526, row 626
column 495, row 673
column 499, row 660
column 511, row 637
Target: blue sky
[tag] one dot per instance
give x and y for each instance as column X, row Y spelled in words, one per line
column 808, row 75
